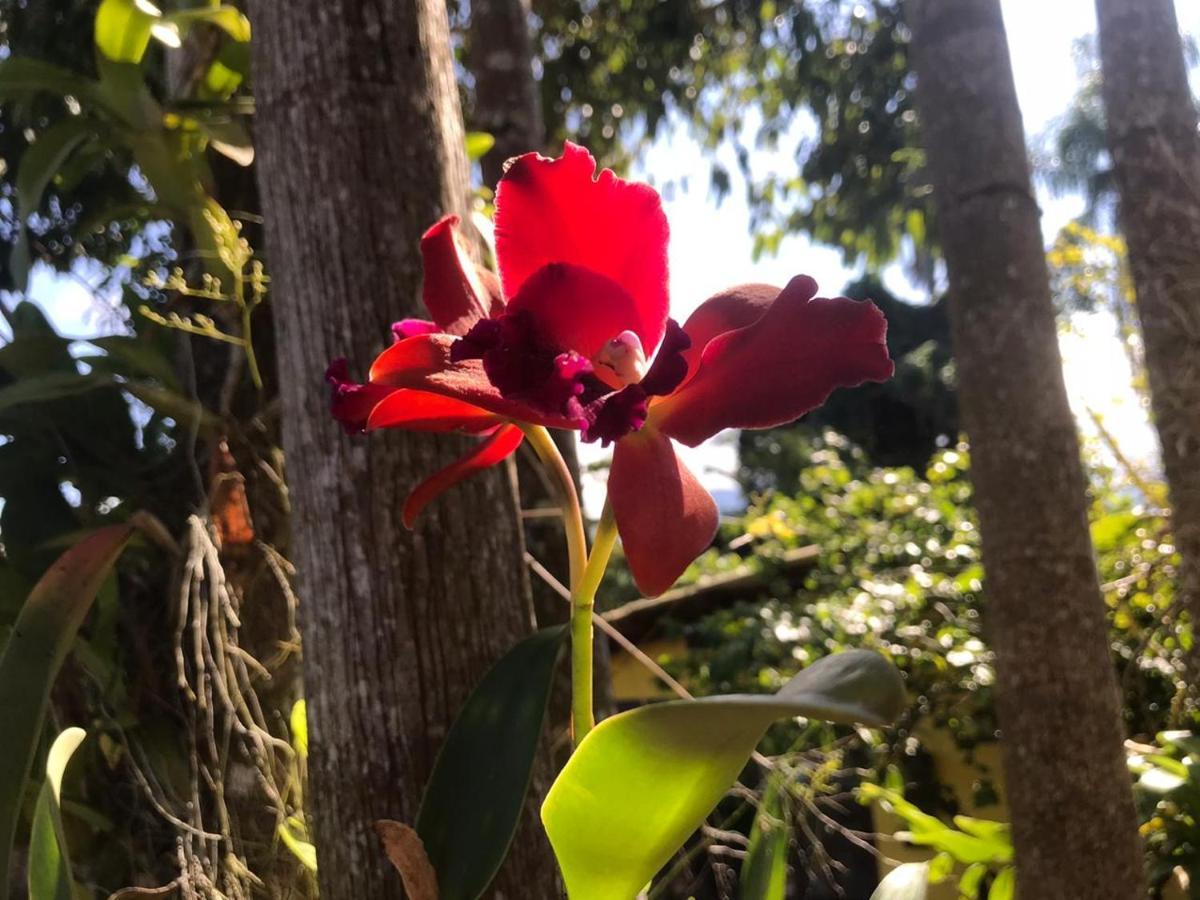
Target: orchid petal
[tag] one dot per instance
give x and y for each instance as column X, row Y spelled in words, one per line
column 556, row 211
column 456, row 292
column 780, row 367
column 664, row 515
column 496, row 448
column 350, row 402
column 733, row 308
column 425, row 411
column 599, row 308
column 424, row 363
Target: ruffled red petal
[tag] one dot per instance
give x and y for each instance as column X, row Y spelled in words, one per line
column 496, row 448
column 555, row 211
column 664, row 516
column 456, row 292
column 729, row 310
column 424, row 363
column 780, row 367
column 575, row 308
column 423, row 411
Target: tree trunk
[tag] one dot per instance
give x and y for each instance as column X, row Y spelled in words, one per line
column 506, row 102
column 1156, row 155
column 360, row 142
column 1074, row 827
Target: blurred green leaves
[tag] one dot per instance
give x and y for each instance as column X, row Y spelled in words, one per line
column 40, row 641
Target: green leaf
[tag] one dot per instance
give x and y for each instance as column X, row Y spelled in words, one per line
column 1005, row 885
column 122, row 29
column 295, row 837
column 764, row 871
column 40, row 641
column 478, row 144
column 299, row 727
column 50, row 386
column 968, row 885
column 906, row 882
column 21, row 76
column 182, row 409
column 128, row 356
column 43, row 160
column 641, row 782
column 983, row 828
column 940, row 868
column 49, row 862
column 990, row 845
column 474, row 798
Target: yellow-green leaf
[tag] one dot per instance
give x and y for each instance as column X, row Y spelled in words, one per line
column 49, row 862
column 641, row 782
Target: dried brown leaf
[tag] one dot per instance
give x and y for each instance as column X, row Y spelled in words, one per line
column 407, row 853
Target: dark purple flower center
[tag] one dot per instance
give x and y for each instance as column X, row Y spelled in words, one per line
column 525, row 367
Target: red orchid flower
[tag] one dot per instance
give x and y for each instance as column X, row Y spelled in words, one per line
column 576, row 335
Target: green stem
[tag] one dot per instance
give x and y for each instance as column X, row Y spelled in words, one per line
column 583, row 599
column 586, row 573
column 547, row 451
column 251, row 357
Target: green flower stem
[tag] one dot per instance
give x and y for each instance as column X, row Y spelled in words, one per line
column 586, row 573
column 543, row 445
column 583, row 599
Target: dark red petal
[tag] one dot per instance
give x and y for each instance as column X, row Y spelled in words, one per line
column 350, row 402
column 576, row 309
column 777, row 369
column 423, row 411
column 733, row 308
column 664, row 516
column 554, row 211
column 424, row 363
column 494, row 449
column 455, row 291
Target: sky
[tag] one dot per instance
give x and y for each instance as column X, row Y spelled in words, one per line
column 711, row 247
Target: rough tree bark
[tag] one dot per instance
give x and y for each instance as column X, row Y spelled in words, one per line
column 1074, row 827
column 1156, row 155
column 361, row 147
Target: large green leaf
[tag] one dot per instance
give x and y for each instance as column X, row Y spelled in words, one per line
column 479, row 782
column 641, row 782
column 49, row 862
column 764, row 871
column 43, row 160
column 40, row 641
